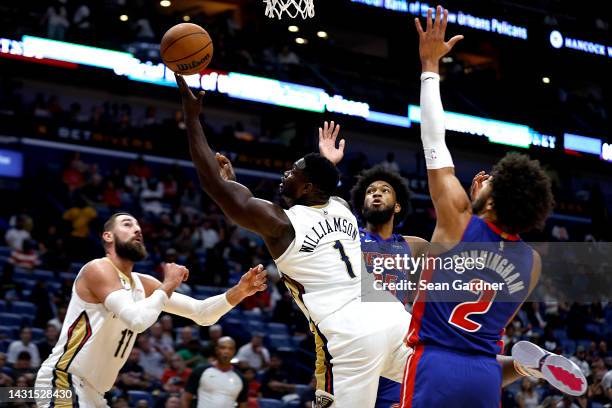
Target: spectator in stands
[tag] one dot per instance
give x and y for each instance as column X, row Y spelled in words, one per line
column 596, row 391
column 151, row 196
column 260, row 302
column 151, row 360
column 185, row 335
column 250, row 376
column 173, row 402
column 527, row 397
column 192, row 353
column 160, row 341
column 80, row 215
column 132, row 375
column 218, row 385
column 580, row 358
column 24, row 344
column 61, row 315
column 275, row 380
column 26, row 258
column 3, row 367
column 307, row 396
column 390, row 164
column 23, row 365
column 254, row 354
column 46, row 345
column 56, row 18
column 215, row 332
column 143, row 29
column 17, row 235
column 178, row 368
column 206, row 236
column 81, row 22
column 9, row 289
column 287, row 57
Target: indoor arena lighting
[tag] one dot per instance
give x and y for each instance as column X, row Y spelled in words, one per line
column 165, row 3
column 286, row 94
column 293, row 28
column 186, row 18
column 322, row 34
column 301, row 40
column 546, row 80
column 123, row 17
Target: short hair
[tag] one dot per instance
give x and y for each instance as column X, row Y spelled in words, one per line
column 322, row 173
column 110, row 223
column 367, row 177
column 521, row 192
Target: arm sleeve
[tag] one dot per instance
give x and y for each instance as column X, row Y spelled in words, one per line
column 437, row 155
column 138, row 316
column 204, row 312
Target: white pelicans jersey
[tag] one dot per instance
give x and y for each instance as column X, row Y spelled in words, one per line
column 94, row 343
column 322, row 267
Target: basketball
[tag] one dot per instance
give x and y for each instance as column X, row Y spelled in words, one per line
column 186, row 48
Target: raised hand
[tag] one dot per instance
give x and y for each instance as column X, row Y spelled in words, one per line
column 226, row 170
column 192, row 105
column 253, row 281
column 432, row 46
column 479, row 178
column 327, row 142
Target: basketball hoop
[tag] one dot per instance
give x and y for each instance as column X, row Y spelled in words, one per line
column 276, row 8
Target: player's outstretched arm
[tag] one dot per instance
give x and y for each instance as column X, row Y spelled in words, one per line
column 236, row 201
column 99, row 283
column 450, row 199
column 208, row 311
column 328, row 135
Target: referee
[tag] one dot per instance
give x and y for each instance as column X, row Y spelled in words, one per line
column 218, row 385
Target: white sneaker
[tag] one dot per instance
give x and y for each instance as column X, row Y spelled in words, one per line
column 560, row 372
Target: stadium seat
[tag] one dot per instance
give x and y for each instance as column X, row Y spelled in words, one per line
column 4, row 345
column 75, row 267
column 135, row 396
column 568, row 346
column 37, row 333
column 594, row 329
column 10, row 319
column 256, row 326
column 23, row 308
column 560, row 334
column 21, row 274
column 9, row 332
column 5, row 251
column 68, row 275
column 269, row 403
column 292, row 404
column 2, row 306
column 279, row 340
column 277, row 328
column 43, row 275
column 253, row 315
column 584, row 343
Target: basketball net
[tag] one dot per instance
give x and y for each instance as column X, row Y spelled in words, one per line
column 276, row 8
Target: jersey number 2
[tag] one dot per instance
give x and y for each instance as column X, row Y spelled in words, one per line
column 125, row 333
column 460, row 314
column 345, row 259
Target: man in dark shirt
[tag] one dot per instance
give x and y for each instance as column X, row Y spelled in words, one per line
column 275, row 380
column 46, row 345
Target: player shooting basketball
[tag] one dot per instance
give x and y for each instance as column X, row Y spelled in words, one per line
column 316, row 246
column 111, row 304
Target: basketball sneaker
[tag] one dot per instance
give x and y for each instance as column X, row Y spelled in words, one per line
column 560, row 372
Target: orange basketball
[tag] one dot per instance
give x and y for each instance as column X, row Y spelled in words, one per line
column 186, row 48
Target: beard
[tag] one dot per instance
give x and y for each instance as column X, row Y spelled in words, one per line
column 376, row 216
column 132, row 251
column 479, row 204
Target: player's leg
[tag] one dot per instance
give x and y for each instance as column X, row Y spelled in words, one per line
column 559, row 371
column 62, row 384
column 437, row 377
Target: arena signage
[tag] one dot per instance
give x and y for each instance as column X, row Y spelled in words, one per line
column 557, row 40
column 419, row 9
column 588, row 145
column 496, row 131
column 269, row 91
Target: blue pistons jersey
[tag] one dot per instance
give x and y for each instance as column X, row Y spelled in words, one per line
column 376, row 249
column 459, row 317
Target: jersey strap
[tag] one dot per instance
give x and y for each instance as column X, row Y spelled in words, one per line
column 123, row 277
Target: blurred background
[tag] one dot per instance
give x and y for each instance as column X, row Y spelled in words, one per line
column 90, row 122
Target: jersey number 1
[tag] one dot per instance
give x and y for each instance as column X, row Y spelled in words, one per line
column 345, row 259
column 129, row 335
column 459, row 316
